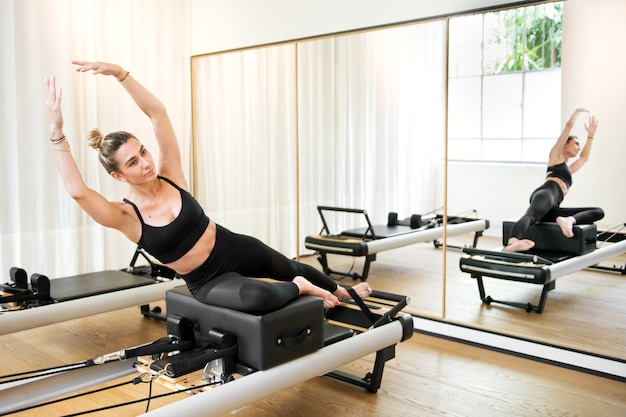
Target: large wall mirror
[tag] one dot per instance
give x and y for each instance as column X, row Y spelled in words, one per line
column 354, row 121
column 360, row 120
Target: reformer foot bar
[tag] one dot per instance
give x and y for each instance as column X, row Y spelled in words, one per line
column 269, row 352
column 46, row 301
column 539, row 266
column 369, row 240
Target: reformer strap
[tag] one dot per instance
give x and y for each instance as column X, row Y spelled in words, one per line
column 368, row 313
column 162, row 345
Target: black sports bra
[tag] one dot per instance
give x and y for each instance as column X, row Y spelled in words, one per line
column 562, row 172
column 170, row 242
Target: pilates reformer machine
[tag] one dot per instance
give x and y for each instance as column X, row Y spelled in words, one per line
column 40, row 301
column 370, row 239
column 227, row 359
column 552, row 257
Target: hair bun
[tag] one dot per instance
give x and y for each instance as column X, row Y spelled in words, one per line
column 95, row 139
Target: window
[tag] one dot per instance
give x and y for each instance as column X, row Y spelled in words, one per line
column 504, row 84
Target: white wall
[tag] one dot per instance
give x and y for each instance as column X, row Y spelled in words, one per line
column 220, row 25
column 593, row 68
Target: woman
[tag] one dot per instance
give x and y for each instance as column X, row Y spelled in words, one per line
column 545, row 200
column 162, row 217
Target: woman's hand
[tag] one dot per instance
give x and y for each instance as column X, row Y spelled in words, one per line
column 592, row 126
column 573, row 117
column 101, row 68
column 53, row 104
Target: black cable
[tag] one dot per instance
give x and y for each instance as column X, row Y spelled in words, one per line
column 58, row 400
column 134, row 381
column 109, row 407
column 45, row 372
column 149, row 396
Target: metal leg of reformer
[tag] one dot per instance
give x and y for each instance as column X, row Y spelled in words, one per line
column 487, row 299
column 154, row 313
column 372, row 380
column 323, row 260
column 618, row 269
column 438, row 244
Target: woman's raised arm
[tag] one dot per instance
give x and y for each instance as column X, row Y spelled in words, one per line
column 585, row 153
column 95, row 205
column 169, row 151
column 556, row 153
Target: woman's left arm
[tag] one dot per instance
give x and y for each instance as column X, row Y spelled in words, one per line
column 169, row 151
column 591, row 128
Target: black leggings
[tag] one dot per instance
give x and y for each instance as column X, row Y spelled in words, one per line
column 544, row 207
column 221, row 279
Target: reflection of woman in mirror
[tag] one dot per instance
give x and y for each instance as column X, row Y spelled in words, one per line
column 545, row 200
column 162, row 217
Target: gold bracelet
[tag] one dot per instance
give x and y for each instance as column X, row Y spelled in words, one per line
column 589, row 137
column 125, row 76
column 59, row 140
column 62, row 150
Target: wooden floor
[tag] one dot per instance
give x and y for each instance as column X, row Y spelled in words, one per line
column 586, row 311
column 429, row 376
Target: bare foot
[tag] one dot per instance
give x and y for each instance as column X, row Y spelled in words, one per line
column 305, row 287
column 516, row 245
column 363, row 290
column 566, row 224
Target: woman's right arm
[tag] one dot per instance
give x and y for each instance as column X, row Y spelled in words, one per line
column 95, row 205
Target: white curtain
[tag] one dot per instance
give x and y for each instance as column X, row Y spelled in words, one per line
column 41, row 228
column 358, row 120
column 244, row 129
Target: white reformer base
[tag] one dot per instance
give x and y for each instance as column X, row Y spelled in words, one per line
column 236, row 394
column 427, row 235
column 491, row 264
column 584, row 261
column 369, row 248
column 224, row 398
column 68, row 310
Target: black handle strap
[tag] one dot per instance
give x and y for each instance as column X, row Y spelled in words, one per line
column 294, row 340
column 372, row 317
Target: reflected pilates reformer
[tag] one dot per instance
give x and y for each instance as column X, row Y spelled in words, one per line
column 553, row 256
column 26, row 303
column 370, row 239
column 228, row 359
